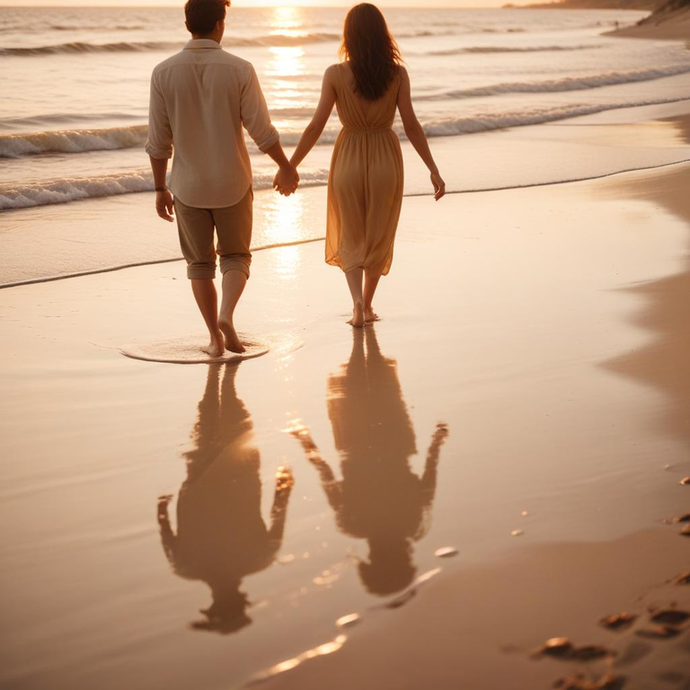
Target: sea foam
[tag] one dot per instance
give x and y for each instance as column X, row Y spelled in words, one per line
column 72, row 141
column 565, row 84
column 63, row 191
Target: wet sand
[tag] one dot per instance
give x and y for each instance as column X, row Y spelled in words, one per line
column 524, row 401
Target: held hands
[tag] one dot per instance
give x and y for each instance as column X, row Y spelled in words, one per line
column 164, row 205
column 439, row 185
column 286, row 180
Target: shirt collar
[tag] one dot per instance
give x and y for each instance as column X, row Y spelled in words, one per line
column 199, row 43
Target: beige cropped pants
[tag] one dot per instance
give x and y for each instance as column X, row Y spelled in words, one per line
column 232, row 224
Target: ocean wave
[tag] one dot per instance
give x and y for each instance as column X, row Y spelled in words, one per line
column 110, row 139
column 96, row 27
column 506, row 49
column 491, row 121
column 17, row 27
column 281, row 40
column 72, row 141
column 51, row 119
column 63, row 191
column 116, row 138
column 81, row 47
column 271, row 40
column 565, row 84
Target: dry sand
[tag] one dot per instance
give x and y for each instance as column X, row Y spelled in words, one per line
column 546, row 327
column 675, row 27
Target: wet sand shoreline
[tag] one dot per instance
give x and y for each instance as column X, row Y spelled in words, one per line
column 547, row 333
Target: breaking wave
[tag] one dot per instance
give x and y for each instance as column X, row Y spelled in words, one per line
column 564, row 84
column 72, row 141
column 507, row 49
column 62, row 191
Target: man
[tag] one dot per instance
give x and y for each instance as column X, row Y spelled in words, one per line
column 201, row 98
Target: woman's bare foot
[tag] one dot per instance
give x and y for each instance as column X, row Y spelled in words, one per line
column 216, row 347
column 370, row 315
column 232, row 342
column 357, row 320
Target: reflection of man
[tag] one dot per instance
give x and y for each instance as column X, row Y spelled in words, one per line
column 201, row 98
column 379, row 497
column 221, row 535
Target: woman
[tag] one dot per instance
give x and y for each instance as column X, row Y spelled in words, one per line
column 365, row 184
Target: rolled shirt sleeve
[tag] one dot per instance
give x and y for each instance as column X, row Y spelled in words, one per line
column 159, row 143
column 254, row 113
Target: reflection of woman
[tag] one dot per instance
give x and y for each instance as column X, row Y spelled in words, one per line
column 365, row 185
column 221, row 535
column 379, row 498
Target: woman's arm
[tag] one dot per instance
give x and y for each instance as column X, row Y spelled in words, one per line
column 415, row 133
column 318, row 122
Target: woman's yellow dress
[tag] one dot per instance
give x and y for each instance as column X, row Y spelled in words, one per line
column 365, row 185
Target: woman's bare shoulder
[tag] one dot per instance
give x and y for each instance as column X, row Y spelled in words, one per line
column 331, row 70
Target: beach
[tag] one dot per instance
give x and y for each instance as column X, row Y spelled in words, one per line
column 457, row 496
column 549, row 337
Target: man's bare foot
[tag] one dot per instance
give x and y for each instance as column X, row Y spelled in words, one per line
column 232, row 342
column 216, row 347
column 357, row 320
column 370, row 315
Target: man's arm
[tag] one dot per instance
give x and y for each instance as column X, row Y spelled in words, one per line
column 257, row 122
column 159, row 146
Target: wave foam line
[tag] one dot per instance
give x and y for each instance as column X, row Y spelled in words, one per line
column 138, row 264
column 492, row 121
column 272, row 40
column 63, row 191
column 84, row 140
column 565, row 84
column 81, row 47
column 506, row 49
column 79, row 141
column 567, row 180
column 53, row 119
column 72, row 141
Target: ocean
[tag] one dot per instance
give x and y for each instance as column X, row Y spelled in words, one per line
column 75, row 84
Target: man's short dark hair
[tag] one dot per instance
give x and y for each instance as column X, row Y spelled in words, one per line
column 202, row 15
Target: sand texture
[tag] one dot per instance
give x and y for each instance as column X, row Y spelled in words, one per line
column 670, row 21
column 421, row 503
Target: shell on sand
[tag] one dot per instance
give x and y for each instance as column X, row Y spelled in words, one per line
column 555, row 646
column 618, row 621
column 187, row 350
column 446, row 552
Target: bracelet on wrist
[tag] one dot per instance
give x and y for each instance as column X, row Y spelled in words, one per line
column 161, row 189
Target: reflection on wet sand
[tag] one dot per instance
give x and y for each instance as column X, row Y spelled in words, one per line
column 663, row 363
column 221, row 535
column 379, row 497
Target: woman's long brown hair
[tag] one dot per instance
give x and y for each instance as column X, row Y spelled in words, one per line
column 373, row 54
